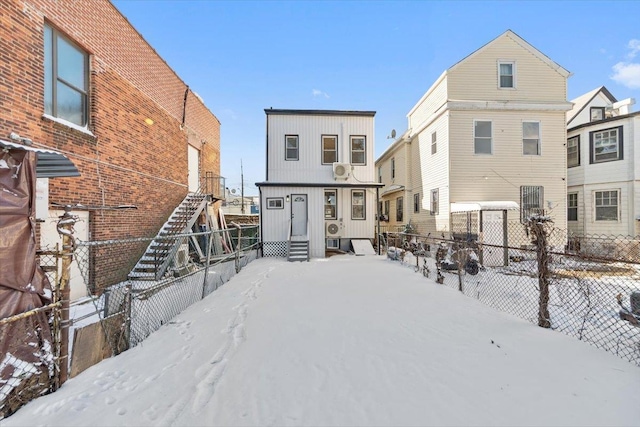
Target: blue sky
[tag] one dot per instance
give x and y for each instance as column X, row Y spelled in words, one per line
column 243, row 56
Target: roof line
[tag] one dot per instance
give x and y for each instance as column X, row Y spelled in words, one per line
column 603, row 90
column 525, row 44
column 275, row 111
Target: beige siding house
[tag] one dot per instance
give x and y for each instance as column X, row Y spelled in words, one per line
column 486, row 139
column 603, row 160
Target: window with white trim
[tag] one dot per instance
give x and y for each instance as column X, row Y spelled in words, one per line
column 416, row 203
column 572, row 206
column 606, row 145
column 531, row 199
column 393, row 167
column 434, row 146
column 531, row 138
column 606, row 205
column 482, row 135
column 66, row 78
column 331, row 204
column 357, row 204
column 275, row 203
column 291, row 147
column 329, row 149
column 573, row 151
column 506, row 74
column 435, row 202
column 379, row 173
column 333, row 243
column 399, row 209
column 358, row 150
column 596, row 113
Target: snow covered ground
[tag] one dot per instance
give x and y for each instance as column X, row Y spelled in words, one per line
column 345, row 341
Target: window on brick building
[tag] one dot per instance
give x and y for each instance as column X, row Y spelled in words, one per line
column 66, row 78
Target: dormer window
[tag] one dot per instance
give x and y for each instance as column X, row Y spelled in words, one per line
column 597, row 113
column 507, row 74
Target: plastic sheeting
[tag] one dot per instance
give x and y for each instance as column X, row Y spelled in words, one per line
column 25, row 344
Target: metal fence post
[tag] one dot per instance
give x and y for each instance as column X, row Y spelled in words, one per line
column 65, row 228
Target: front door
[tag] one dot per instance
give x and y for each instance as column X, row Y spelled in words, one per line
column 299, row 215
column 193, row 166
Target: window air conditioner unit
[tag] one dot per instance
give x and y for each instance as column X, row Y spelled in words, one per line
column 341, row 170
column 334, row 229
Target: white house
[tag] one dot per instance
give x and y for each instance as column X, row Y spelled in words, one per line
column 320, row 191
column 484, row 145
column 603, row 161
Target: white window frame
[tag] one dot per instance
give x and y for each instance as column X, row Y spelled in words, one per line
column 354, row 195
column 335, row 205
column 490, row 138
column 575, row 198
column 434, row 145
column 575, row 139
column 286, row 148
column 596, row 206
column 618, row 143
column 333, row 243
column 435, row 201
column 393, row 168
column 52, row 39
column 324, row 150
column 513, row 75
column 416, row 203
column 353, row 151
column 538, row 140
column 400, row 209
column 275, row 202
column 526, row 206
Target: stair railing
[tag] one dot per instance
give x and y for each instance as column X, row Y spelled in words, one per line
column 192, row 207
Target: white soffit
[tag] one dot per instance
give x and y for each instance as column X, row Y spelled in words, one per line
column 484, row 206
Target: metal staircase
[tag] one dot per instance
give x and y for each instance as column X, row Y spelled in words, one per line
column 163, row 248
column 298, row 250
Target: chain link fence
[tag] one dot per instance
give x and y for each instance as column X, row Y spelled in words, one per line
column 30, row 343
column 587, row 287
column 131, row 307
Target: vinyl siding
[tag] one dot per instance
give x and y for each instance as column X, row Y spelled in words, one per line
column 430, row 172
column 275, row 222
column 621, row 174
column 476, row 77
column 423, row 111
column 310, row 128
column 499, row 176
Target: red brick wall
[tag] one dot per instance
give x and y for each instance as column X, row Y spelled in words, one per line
column 123, row 160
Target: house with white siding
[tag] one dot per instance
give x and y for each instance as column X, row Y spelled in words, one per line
column 603, row 161
column 320, row 192
column 485, row 145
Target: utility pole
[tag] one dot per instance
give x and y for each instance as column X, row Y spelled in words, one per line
column 241, row 188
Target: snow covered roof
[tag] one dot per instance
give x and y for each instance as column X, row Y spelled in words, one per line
column 484, row 206
column 392, row 189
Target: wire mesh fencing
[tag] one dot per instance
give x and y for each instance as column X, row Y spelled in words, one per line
column 133, row 299
column 589, row 290
column 30, row 345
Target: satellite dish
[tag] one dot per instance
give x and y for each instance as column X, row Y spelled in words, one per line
column 393, row 133
column 233, row 191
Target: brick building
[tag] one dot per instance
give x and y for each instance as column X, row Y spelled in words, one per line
column 77, row 78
